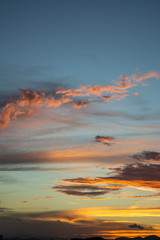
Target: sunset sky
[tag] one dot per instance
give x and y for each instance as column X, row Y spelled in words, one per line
column 79, row 118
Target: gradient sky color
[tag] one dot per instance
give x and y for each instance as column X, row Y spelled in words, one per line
column 79, row 118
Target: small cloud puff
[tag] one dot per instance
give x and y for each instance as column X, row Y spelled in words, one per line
column 105, row 140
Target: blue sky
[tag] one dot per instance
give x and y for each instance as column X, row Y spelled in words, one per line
column 79, row 118
column 83, row 41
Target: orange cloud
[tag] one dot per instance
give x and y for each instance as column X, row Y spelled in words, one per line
column 24, row 202
column 148, row 75
column 36, row 199
column 94, row 221
column 135, row 183
column 30, row 101
column 48, row 197
column 96, row 212
column 121, row 86
column 6, row 114
column 104, row 139
column 135, row 175
column 27, row 105
column 127, row 233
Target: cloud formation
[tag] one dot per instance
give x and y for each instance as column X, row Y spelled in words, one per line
column 135, row 175
column 105, row 140
column 91, row 221
column 35, row 199
column 81, row 103
column 85, row 190
column 147, row 156
column 121, row 86
column 121, row 197
column 28, row 102
column 27, row 105
column 136, row 226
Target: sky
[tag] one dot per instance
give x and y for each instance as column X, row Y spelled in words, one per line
column 79, row 118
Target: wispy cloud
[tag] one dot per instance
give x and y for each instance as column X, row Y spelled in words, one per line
column 85, row 190
column 121, row 86
column 147, row 76
column 29, row 102
column 125, row 197
column 35, row 199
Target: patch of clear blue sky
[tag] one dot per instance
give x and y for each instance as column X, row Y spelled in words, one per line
column 89, row 41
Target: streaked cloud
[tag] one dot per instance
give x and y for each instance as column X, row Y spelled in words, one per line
column 125, row 197
column 147, row 76
column 85, row 190
column 118, row 212
column 35, row 199
column 121, row 86
column 135, row 175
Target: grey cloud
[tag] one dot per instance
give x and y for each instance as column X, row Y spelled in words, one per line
column 80, row 103
column 138, row 171
column 147, row 156
column 140, row 175
column 136, row 226
column 85, row 190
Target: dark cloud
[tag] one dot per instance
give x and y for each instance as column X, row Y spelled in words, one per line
column 103, row 98
column 136, row 226
column 147, row 156
column 66, row 224
column 85, row 190
column 33, row 228
column 31, row 96
column 63, row 223
column 104, row 139
column 80, row 103
column 138, row 171
column 138, row 175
